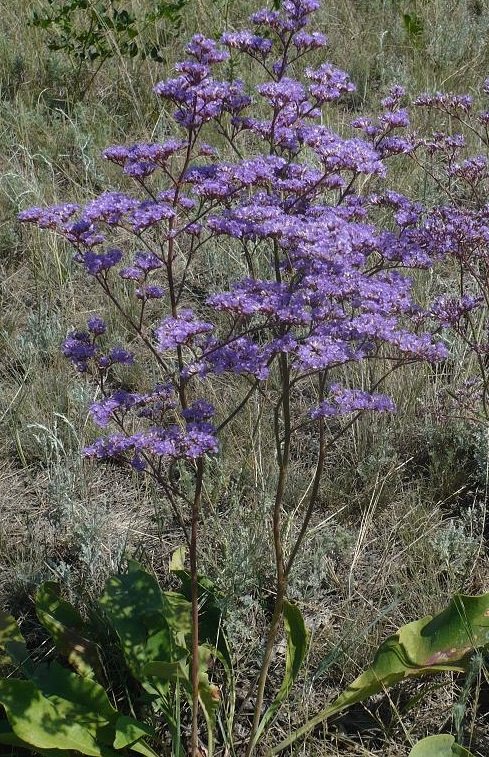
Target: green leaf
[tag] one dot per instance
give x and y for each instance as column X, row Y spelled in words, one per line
column 152, row 627
column 297, row 640
column 210, row 614
column 178, row 614
column 177, row 560
column 425, row 646
column 442, row 745
column 142, row 748
column 8, row 738
column 12, row 642
column 128, row 731
column 166, row 671
column 210, row 700
column 212, row 637
column 50, row 723
column 134, row 606
column 86, row 694
column 414, row 26
column 67, row 630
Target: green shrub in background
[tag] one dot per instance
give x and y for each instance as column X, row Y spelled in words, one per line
column 90, row 32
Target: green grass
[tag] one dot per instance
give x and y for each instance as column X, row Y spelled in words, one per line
column 403, row 502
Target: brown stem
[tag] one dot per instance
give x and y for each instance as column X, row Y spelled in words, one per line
column 194, row 581
column 283, row 456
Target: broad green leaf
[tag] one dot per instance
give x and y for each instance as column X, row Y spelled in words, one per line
column 128, row 731
column 166, row 671
column 67, row 630
column 441, row 745
column 151, row 627
column 178, row 614
column 134, row 606
column 87, row 695
column 49, row 723
column 142, row 748
column 8, row 738
column 212, row 637
column 425, row 646
column 297, row 639
column 12, row 642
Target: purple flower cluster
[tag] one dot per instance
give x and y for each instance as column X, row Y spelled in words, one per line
column 326, row 281
column 49, row 218
column 174, row 332
column 329, row 83
column 343, row 401
column 149, row 405
column 80, row 348
column 160, row 441
column 450, row 310
column 141, row 160
column 247, row 42
column 445, row 101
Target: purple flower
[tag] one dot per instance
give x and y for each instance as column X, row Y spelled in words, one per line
column 97, row 262
column 394, row 119
column 149, row 213
column 79, row 348
column 319, row 352
column 131, row 272
column 241, row 356
column 309, row 40
column 146, row 261
column 122, row 356
column 48, row 218
column 471, row 170
column 103, row 412
column 393, row 99
column 173, row 332
column 149, row 292
column 326, row 263
column 283, row 92
column 206, row 50
column 247, row 42
column 117, row 355
column 153, row 154
column 445, row 101
column 343, row 401
column 200, row 410
column 450, row 310
column 96, row 325
column 267, row 18
column 330, row 83
column 138, row 463
column 168, row 441
column 110, row 207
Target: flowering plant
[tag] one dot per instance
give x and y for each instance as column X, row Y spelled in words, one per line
column 317, row 283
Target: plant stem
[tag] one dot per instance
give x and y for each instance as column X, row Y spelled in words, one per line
column 283, row 457
column 194, row 581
